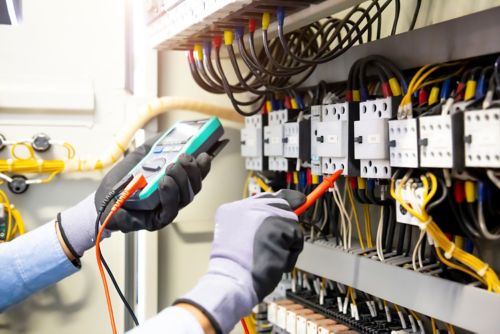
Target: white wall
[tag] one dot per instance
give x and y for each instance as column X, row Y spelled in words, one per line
column 66, row 39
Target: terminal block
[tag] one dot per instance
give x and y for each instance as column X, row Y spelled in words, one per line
column 334, row 138
column 441, row 141
column 403, row 216
column 296, row 140
column 403, row 143
column 315, row 158
column 275, row 140
column 371, row 137
column 482, row 138
column 251, row 143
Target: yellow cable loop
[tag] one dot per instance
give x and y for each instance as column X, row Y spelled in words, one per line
column 30, row 149
column 480, row 270
column 356, row 219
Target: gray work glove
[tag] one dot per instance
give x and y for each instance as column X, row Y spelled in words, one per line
column 176, row 190
column 256, row 240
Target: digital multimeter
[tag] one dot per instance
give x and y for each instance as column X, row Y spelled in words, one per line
column 188, row 137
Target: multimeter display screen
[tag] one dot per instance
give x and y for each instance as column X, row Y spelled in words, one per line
column 181, row 133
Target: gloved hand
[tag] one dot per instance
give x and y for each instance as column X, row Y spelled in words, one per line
column 256, row 240
column 177, row 189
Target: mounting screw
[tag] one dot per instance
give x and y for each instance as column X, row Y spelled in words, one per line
column 18, row 184
column 41, row 142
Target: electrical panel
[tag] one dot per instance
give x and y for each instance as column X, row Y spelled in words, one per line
column 371, row 137
column 482, row 138
column 252, row 144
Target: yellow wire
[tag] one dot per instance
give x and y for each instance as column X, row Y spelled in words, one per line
column 433, row 325
column 451, row 329
column 356, row 219
column 414, row 314
column 70, row 149
column 368, row 226
column 350, row 292
column 262, row 184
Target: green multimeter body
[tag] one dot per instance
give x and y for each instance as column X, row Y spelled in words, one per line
column 185, row 137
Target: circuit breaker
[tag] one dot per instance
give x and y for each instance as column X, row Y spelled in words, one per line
column 251, row 143
column 334, row 138
column 371, row 137
column 482, row 138
column 441, row 141
column 403, row 143
column 281, row 139
column 315, row 158
column 296, row 140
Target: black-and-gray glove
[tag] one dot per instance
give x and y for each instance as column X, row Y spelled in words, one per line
column 256, row 240
column 177, row 188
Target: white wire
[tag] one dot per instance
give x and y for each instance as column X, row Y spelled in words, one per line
column 416, row 251
column 378, row 241
column 343, row 216
column 493, row 177
column 349, row 221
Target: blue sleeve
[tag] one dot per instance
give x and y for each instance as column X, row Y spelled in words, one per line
column 30, row 263
column 170, row 320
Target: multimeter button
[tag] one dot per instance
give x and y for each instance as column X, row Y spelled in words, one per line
column 158, row 149
column 154, row 165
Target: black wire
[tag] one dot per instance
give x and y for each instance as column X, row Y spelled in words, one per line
column 415, row 15
column 401, row 238
column 103, row 207
column 397, row 10
column 391, row 229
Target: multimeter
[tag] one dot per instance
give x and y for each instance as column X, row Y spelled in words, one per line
column 188, row 137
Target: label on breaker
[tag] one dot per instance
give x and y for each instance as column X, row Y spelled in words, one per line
column 291, row 322
column 271, row 312
column 332, row 139
column 373, row 139
column 275, row 140
column 301, row 325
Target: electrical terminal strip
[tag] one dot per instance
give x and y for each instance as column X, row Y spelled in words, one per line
column 403, row 216
column 482, row 138
column 334, row 138
column 403, row 143
column 251, row 143
column 371, row 137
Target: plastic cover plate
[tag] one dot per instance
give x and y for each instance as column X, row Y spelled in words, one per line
column 482, row 136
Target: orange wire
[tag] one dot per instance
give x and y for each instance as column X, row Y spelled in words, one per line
column 245, row 327
column 138, row 182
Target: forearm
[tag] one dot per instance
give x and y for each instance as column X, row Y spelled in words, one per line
column 30, row 263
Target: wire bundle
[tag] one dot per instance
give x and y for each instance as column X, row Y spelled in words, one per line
column 285, row 62
column 467, row 262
